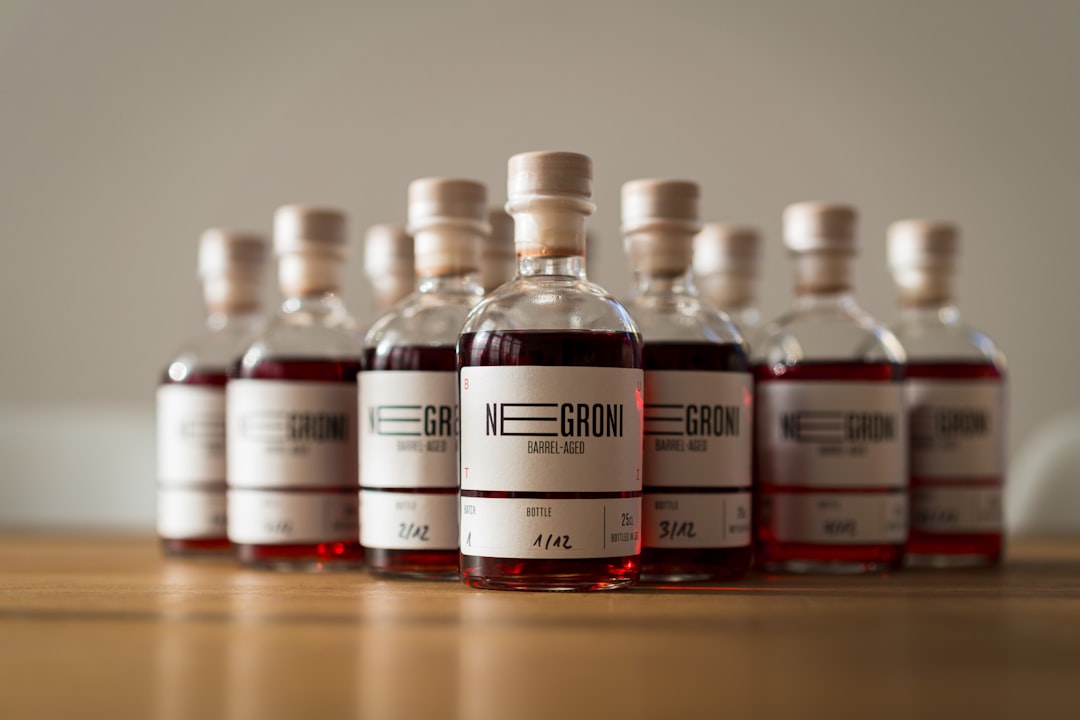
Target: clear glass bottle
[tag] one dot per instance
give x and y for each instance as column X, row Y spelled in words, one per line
column 292, row 410
column 726, row 259
column 550, row 387
column 408, row 389
column 698, row 426
column 956, row 400
column 831, row 487
column 388, row 264
column 498, row 263
column 191, row 396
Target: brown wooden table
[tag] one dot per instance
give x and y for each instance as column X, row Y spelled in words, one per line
column 107, row 627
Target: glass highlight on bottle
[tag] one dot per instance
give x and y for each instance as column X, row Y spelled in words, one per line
column 292, row 410
column 726, row 259
column 550, row 386
column 831, row 435
column 956, row 401
column 408, row 389
column 191, row 397
column 698, row 424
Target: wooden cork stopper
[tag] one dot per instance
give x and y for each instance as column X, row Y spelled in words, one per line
column 449, row 219
column 549, row 196
column 659, row 221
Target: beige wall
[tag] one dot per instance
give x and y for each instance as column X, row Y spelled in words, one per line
column 127, row 127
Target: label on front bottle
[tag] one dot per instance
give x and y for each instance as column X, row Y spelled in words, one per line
column 551, row 429
column 291, row 434
column 190, row 434
column 275, row 517
column 549, row 529
column 836, row 518
column 408, row 429
column 698, row 428
column 956, row 509
column 185, row 513
column 831, row 434
column 696, row 520
column 956, row 428
column 408, row 521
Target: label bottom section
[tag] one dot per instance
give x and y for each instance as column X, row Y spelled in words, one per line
column 191, row 513
column 550, row 528
column 836, row 518
column 277, row 517
column 956, row 509
column 408, row 521
column 696, row 520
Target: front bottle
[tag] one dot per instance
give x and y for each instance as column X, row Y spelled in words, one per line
column 408, row 389
column 550, row 386
column 831, row 432
column 698, row 423
column 956, row 405
column 292, row 411
column 191, row 397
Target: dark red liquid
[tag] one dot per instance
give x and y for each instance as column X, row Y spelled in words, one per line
column 694, row 563
column 419, row 562
column 549, row 348
column 773, row 554
column 327, row 554
column 199, row 546
column 954, row 548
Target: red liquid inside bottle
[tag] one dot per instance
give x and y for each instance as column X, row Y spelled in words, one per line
column 773, row 553
column 421, row 563
column 694, row 563
column 218, row 545
column 960, row 548
column 549, row 348
column 325, row 554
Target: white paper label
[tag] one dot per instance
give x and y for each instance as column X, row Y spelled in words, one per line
column 291, row 434
column 696, row 520
column 402, row 521
column 837, row 518
column 190, row 434
column 831, row 434
column 408, row 429
column 551, row 429
column 191, row 513
column 698, row 429
column 550, row 529
column 956, row 428
column 956, row 509
column 275, row 517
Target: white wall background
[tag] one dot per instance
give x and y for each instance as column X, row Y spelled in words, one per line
column 127, row 126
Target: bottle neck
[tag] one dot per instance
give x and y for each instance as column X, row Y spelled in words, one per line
column 552, row 266
column 651, row 284
column 223, row 318
column 825, row 301
column 314, row 304
column 824, row 274
column 944, row 313
column 464, row 283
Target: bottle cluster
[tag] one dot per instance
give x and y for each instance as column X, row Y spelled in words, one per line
column 508, row 422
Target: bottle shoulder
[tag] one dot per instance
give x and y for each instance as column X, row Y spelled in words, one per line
column 833, row 334
column 681, row 318
column 422, row 319
column 926, row 341
column 214, row 350
column 306, row 335
column 549, row 303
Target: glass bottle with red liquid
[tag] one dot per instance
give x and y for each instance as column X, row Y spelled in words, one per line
column 191, row 397
column 956, row 400
column 698, row 426
column 292, row 411
column 408, row 389
column 550, row 388
column 831, row 434
column 726, row 259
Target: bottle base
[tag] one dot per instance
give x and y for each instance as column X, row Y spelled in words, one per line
column 315, row 557
column 584, row 575
column 197, row 547
column 694, row 565
column 808, row 559
column 946, row 561
column 413, row 564
column 926, row 550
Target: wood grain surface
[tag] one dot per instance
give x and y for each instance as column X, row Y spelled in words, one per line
column 106, row 627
